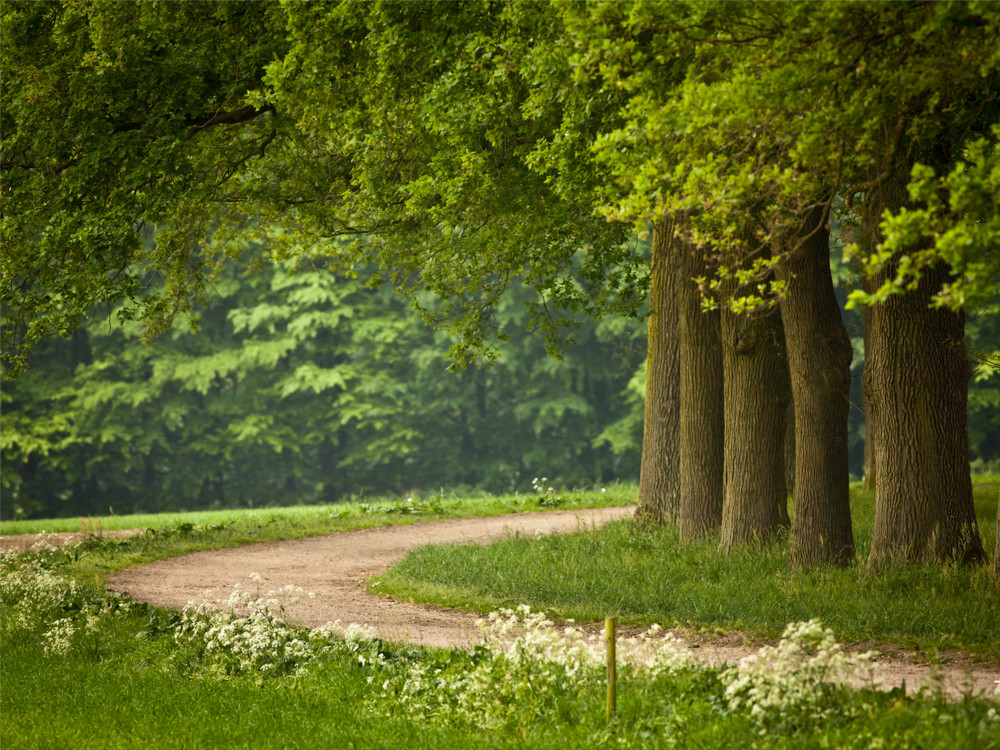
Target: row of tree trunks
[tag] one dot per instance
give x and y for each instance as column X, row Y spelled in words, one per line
column 659, row 474
column 701, row 408
column 916, row 390
column 915, row 384
column 819, row 357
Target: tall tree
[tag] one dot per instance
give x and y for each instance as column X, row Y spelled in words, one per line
column 702, row 447
column 660, row 486
column 756, row 403
column 916, row 390
column 819, row 358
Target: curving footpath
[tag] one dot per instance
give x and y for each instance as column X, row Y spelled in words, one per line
column 335, row 568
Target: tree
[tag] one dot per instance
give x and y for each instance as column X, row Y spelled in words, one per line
column 819, row 358
column 660, row 484
column 777, row 113
column 702, row 447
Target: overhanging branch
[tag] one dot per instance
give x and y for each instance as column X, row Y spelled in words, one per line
column 232, row 117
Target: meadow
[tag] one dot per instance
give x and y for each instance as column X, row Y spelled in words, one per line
column 82, row 667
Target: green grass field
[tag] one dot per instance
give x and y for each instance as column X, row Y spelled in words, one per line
column 646, row 576
column 83, row 668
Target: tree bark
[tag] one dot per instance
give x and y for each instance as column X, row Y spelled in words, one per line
column 701, row 404
column 869, row 481
column 659, row 479
column 819, row 357
column 916, row 387
column 756, row 396
column 790, row 445
column 996, row 548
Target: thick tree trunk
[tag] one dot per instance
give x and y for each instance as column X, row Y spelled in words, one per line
column 659, row 478
column 819, row 357
column 916, row 388
column 756, row 396
column 701, row 416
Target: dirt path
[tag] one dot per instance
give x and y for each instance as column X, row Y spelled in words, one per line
column 335, row 568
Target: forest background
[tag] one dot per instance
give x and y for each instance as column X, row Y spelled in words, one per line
column 307, row 387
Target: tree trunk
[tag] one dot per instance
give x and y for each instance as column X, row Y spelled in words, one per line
column 916, row 386
column 996, row 548
column 756, row 399
column 819, row 357
column 659, row 479
column 790, row 445
column 701, row 391
column 866, row 328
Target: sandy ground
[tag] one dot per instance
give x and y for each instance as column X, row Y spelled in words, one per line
column 335, row 569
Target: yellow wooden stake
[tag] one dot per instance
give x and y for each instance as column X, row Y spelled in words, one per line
column 609, row 632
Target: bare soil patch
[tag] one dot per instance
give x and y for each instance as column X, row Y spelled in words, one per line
column 335, row 569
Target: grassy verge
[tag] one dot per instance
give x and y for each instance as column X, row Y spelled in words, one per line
column 172, row 534
column 318, row 519
column 646, row 576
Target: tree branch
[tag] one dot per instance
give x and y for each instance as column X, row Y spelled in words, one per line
column 232, row 117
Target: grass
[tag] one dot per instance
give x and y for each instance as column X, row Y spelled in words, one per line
column 172, row 534
column 320, row 519
column 646, row 576
column 137, row 696
column 137, row 699
column 126, row 677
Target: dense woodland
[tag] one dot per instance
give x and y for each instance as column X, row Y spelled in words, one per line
column 307, row 387
column 462, row 151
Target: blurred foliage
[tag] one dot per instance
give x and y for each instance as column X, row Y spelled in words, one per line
column 308, row 386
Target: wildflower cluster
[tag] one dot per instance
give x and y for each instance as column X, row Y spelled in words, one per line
column 545, row 494
column 800, row 677
column 527, row 667
column 38, row 598
column 32, row 592
column 245, row 634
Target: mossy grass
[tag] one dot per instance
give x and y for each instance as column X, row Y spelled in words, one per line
column 644, row 575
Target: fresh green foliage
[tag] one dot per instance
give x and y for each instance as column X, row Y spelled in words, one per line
column 741, row 117
column 656, row 579
column 116, row 117
column 413, row 161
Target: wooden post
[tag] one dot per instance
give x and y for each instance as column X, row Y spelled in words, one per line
column 609, row 632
